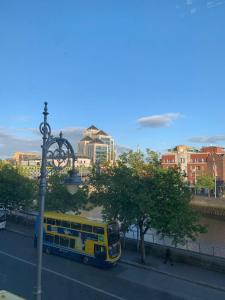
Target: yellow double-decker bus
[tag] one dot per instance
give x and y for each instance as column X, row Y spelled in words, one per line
column 80, row 238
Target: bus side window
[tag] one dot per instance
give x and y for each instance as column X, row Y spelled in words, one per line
column 64, row 241
column 51, row 221
column 49, row 238
column 45, row 220
column 76, row 226
column 65, row 224
column 87, row 228
column 57, row 239
column 98, row 230
column 72, row 243
column 58, row 222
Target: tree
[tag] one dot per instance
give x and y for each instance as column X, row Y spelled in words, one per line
column 16, row 191
column 171, row 214
column 59, row 199
column 137, row 190
column 205, row 181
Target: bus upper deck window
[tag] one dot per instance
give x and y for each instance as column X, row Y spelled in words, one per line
column 98, row 230
column 65, row 224
column 58, row 222
column 76, row 226
column 87, row 228
column 50, row 221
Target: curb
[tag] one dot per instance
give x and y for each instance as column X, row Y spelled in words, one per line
column 202, row 283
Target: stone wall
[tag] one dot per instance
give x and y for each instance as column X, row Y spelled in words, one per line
column 179, row 255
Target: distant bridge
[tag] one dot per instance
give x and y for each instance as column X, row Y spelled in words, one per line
column 209, row 206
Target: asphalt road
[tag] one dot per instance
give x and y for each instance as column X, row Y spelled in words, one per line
column 66, row 279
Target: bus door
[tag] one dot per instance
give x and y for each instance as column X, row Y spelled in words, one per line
column 100, row 252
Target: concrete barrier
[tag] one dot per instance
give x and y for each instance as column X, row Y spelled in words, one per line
column 179, row 255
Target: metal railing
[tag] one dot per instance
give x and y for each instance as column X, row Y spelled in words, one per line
column 26, row 218
column 194, row 246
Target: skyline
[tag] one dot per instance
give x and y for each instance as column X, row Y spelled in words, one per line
column 150, row 74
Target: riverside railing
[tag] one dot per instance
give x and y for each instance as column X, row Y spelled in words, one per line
column 195, row 246
column 28, row 218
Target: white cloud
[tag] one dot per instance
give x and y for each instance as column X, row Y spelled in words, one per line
column 10, row 141
column 214, row 3
column 120, row 149
column 71, row 133
column 207, row 139
column 156, row 121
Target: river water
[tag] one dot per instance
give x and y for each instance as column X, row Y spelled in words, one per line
column 216, row 231
column 211, row 243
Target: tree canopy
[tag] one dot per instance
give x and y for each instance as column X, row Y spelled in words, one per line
column 137, row 190
column 205, row 181
column 59, row 199
column 16, row 191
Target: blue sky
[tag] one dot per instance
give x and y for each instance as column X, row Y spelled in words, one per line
column 150, row 73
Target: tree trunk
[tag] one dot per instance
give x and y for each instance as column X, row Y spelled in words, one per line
column 124, row 240
column 143, row 255
column 138, row 239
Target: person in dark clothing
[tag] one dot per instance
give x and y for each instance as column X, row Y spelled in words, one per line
column 168, row 257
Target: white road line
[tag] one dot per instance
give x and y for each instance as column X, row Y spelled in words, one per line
column 63, row 276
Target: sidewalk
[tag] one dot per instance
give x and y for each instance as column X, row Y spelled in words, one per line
column 189, row 273
column 179, row 270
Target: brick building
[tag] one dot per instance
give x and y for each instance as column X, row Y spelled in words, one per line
column 194, row 162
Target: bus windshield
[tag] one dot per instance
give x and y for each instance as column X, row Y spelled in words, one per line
column 113, row 233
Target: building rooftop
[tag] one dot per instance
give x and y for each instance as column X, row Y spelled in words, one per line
column 101, row 132
column 92, row 127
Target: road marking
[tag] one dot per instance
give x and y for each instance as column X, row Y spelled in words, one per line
column 63, row 276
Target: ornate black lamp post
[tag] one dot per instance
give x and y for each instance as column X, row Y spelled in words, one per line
column 58, row 152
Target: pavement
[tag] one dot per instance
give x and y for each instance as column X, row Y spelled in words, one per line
column 182, row 271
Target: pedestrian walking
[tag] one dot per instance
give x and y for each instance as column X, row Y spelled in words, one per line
column 168, row 257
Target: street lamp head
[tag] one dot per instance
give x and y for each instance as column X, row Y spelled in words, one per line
column 73, row 182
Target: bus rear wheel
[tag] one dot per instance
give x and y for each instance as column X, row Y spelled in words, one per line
column 85, row 260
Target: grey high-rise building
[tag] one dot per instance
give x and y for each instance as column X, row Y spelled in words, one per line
column 97, row 145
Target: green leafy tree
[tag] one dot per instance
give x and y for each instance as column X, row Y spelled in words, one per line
column 59, row 199
column 171, row 213
column 16, row 191
column 205, row 181
column 136, row 190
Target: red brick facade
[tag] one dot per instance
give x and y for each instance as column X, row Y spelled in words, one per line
column 208, row 160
